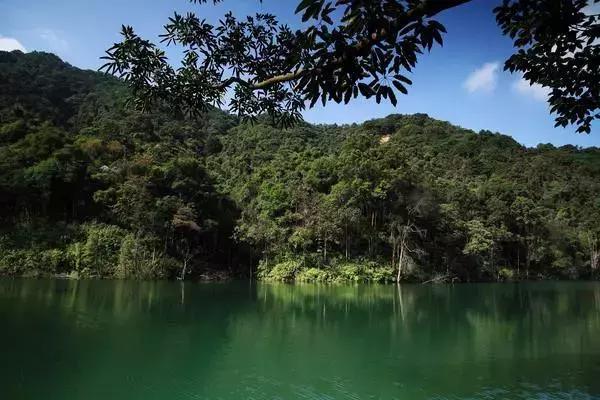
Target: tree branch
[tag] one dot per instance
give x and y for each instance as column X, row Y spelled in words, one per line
column 427, row 8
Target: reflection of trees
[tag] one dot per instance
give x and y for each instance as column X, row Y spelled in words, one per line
column 502, row 332
column 243, row 341
column 517, row 304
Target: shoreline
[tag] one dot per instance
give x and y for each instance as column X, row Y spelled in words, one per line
column 225, row 277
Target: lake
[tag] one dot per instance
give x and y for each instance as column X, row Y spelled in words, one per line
column 118, row 340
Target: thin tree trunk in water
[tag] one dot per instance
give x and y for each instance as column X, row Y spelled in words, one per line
column 400, row 302
column 393, row 252
column 183, row 270
column 346, row 235
column 400, row 262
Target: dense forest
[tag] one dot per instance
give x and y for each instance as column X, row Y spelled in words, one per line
column 89, row 187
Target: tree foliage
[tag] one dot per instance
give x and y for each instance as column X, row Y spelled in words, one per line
column 91, row 187
column 120, row 193
column 433, row 201
column 350, row 48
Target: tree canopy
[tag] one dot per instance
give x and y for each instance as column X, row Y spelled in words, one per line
column 350, row 48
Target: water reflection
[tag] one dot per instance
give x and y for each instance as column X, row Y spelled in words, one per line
column 166, row 340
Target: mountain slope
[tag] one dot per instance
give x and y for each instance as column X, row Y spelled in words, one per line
column 90, row 187
column 446, row 201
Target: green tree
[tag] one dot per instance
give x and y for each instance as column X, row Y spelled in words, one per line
column 351, row 48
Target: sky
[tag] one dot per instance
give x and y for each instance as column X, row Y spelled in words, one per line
column 462, row 82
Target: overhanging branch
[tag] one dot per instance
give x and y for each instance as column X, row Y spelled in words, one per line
column 426, row 9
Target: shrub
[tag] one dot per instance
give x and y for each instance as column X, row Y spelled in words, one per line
column 101, row 248
column 341, row 271
column 284, row 271
column 506, row 274
column 140, row 259
column 347, row 272
column 10, row 262
column 52, row 260
column 31, row 261
column 315, row 275
column 98, row 253
column 378, row 273
column 75, row 256
column 362, row 271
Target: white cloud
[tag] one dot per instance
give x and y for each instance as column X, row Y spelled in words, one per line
column 483, row 79
column 54, row 40
column 535, row 91
column 10, row 44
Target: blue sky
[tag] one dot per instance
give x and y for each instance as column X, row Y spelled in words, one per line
column 461, row 82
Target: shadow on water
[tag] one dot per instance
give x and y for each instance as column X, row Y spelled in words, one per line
column 168, row 340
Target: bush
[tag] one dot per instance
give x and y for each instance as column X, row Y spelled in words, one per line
column 100, row 250
column 52, row 260
column 380, row 273
column 98, row 253
column 506, row 274
column 314, row 275
column 281, row 272
column 10, row 262
column 341, row 271
column 348, row 272
column 362, row 271
column 140, row 259
column 31, row 261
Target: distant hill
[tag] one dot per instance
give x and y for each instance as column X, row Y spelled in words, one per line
column 41, row 86
column 90, row 187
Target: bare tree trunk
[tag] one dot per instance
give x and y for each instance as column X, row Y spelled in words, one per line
column 400, row 262
column 594, row 252
column 346, row 238
column 183, row 270
column 393, row 251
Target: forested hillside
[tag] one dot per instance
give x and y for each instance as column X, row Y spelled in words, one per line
column 89, row 187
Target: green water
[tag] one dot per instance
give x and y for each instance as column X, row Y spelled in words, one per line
column 164, row 340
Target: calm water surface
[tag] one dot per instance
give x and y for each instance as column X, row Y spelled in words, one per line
column 165, row 340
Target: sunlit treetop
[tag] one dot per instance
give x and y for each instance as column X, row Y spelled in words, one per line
column 351, row 48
